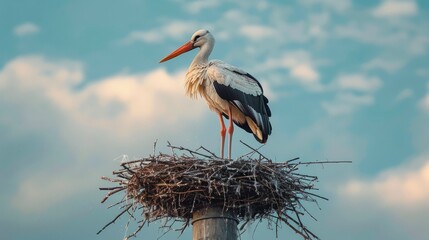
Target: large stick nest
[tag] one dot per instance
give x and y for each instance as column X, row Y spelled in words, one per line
column 252, row 187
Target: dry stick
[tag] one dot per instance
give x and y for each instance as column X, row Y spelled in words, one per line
column 205, row 149
column 113, row 221
column 154, row 146
column 305, row 210
column 255, row 150
column 185, row 226
column 304, row 235
column 322, row 162
column 111, row 179
column 109, row 188
column 116, row 204
column 128, row 169
column 188, row 150
column 111, row 193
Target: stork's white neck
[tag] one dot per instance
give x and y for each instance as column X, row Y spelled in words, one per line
column 204, row 53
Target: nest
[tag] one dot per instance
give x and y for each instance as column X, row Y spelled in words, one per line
column 252, row 187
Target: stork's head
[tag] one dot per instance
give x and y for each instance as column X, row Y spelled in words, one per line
column 199, row 39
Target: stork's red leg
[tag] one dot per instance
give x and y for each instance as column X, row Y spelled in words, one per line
column 222, row 134
column 230, row 131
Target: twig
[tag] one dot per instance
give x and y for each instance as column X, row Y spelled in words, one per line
column 113, row 221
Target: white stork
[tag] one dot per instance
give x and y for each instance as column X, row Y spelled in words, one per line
column 229, row 91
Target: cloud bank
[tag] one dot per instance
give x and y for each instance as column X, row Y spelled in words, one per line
column 109, row 115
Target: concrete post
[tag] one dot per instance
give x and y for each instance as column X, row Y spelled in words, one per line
column 213, row 224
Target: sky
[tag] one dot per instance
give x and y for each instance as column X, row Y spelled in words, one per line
column 81, row 90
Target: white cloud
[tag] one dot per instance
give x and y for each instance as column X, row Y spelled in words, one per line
column 424, row 103
column 26, row 29
column 347, row 103
column 301, row 68
column 387, row 65
column 404, row 94
column 404, row 187
column 395, row 8
column 353, row 91
column 236, row 16
column 225, row 28
column 305, row 72
column 278, row 29
column 141, row 98
column 173, row 30
column 423, row 72
column 177, row 29
column 370, row 32
column 318, row 25
column 200, row 6
column 142, row 36
column 358, row 82
column 389, row 36
column 257, row 32
column 38, row 192
column 394, row 204
column 120, row 100
column 31, row 73
column 339, row 6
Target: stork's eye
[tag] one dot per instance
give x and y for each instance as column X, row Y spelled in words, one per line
column 196, row 38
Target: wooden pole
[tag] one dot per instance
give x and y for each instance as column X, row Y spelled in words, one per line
column 214, row 224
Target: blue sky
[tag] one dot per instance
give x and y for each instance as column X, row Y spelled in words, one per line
column 81, row 86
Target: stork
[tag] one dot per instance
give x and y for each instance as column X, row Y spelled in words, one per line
column 229, row 91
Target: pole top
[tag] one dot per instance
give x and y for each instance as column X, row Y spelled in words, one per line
column 213, row 213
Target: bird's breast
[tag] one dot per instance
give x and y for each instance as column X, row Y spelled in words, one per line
column 196, row 81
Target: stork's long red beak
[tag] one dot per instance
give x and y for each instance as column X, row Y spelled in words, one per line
column 185, row 48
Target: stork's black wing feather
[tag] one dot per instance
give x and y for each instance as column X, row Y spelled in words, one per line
column 244, row 92
column 253, row 106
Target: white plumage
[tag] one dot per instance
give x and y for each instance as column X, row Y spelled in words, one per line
column 229, row 91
